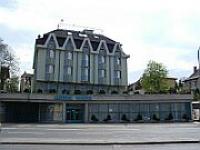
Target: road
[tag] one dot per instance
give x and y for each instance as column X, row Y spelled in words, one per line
column 100, row 133
column 102, row 147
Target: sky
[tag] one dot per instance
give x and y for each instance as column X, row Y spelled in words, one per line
column 164, row 31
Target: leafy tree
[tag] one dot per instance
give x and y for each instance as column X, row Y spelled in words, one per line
column 152, row 78
column 12, row 84
column 8, row 60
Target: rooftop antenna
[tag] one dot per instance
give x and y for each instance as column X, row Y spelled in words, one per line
column 60, row 24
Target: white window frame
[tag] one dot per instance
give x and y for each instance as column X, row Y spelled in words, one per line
column 86, row 59
column 50, row 69
column 102, row 73
column 118, row 60
column 51, row 53
column 69, row 70
column 118, row 74
column 102, row 59
column 69, row 55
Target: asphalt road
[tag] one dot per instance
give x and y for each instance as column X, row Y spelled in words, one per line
column 102, row 147
column 101, row 132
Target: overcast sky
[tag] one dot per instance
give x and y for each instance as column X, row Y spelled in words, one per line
column 164, row 31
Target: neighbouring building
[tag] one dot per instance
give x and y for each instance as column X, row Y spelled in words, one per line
column 136, row 87
column 193, row 81
column 26, row 82
column 79, row 62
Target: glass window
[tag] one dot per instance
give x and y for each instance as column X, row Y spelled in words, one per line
column 118, row 61
column 102, row 73
column 69, row 55
column 103, row 107
column 117, row 74
column 85, row 61
column 124, row 107
column 69, row 70
column 50, row 69
column 85, row 72
column 134, row 107
column 165, row 107
column 154, row 107
column 102, row 59
column 51, row 53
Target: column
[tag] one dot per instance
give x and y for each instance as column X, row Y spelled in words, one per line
column 64, row 112
column 86, row 114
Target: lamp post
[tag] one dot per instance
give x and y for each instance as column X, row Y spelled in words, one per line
column 198, row 58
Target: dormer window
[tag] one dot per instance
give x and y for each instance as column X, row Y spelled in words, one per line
column 96, row 37
column 82, row 35
column 69, row 33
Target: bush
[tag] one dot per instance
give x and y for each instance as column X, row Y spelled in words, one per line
column 124, row 118
column 155, row 117
column 102, row 92
column 170, row 117
column 108, row 118
column 114, row 92
column 94, row 118
column 39, row 91
column 77, row 92
column 139, row 117
column 89, row 92
column 185, row 117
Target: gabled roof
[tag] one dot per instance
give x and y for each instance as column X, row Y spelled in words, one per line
column 61, row 36
column 194, row 76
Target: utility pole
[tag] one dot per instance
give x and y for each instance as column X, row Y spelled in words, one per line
column 198, row 58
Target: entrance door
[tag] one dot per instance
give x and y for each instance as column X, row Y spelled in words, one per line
column 74, row 113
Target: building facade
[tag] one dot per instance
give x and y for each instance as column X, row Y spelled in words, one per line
column 26, row 82
column 193, row 81
column 79, row 62
column 98, row 109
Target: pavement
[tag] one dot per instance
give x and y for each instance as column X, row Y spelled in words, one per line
column 100, row 134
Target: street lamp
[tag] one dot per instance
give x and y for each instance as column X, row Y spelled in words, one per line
column 198, row 57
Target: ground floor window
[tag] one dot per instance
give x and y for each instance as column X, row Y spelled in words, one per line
column 51, row 112
column 131, row 112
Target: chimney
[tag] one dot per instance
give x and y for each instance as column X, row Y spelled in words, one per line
column 195, row 69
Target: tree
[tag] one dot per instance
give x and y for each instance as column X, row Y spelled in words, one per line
column 8, row 60
column 152, row 78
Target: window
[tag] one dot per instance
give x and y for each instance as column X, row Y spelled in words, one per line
column 117, row 74
column 82, row 35
column 102, row 73
column 102, row 60
column 85, row 60
column 84, row 75
column 118, row 61
column 50, row 69
column 69, row 55
column 69, row 70
column 51, row 53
